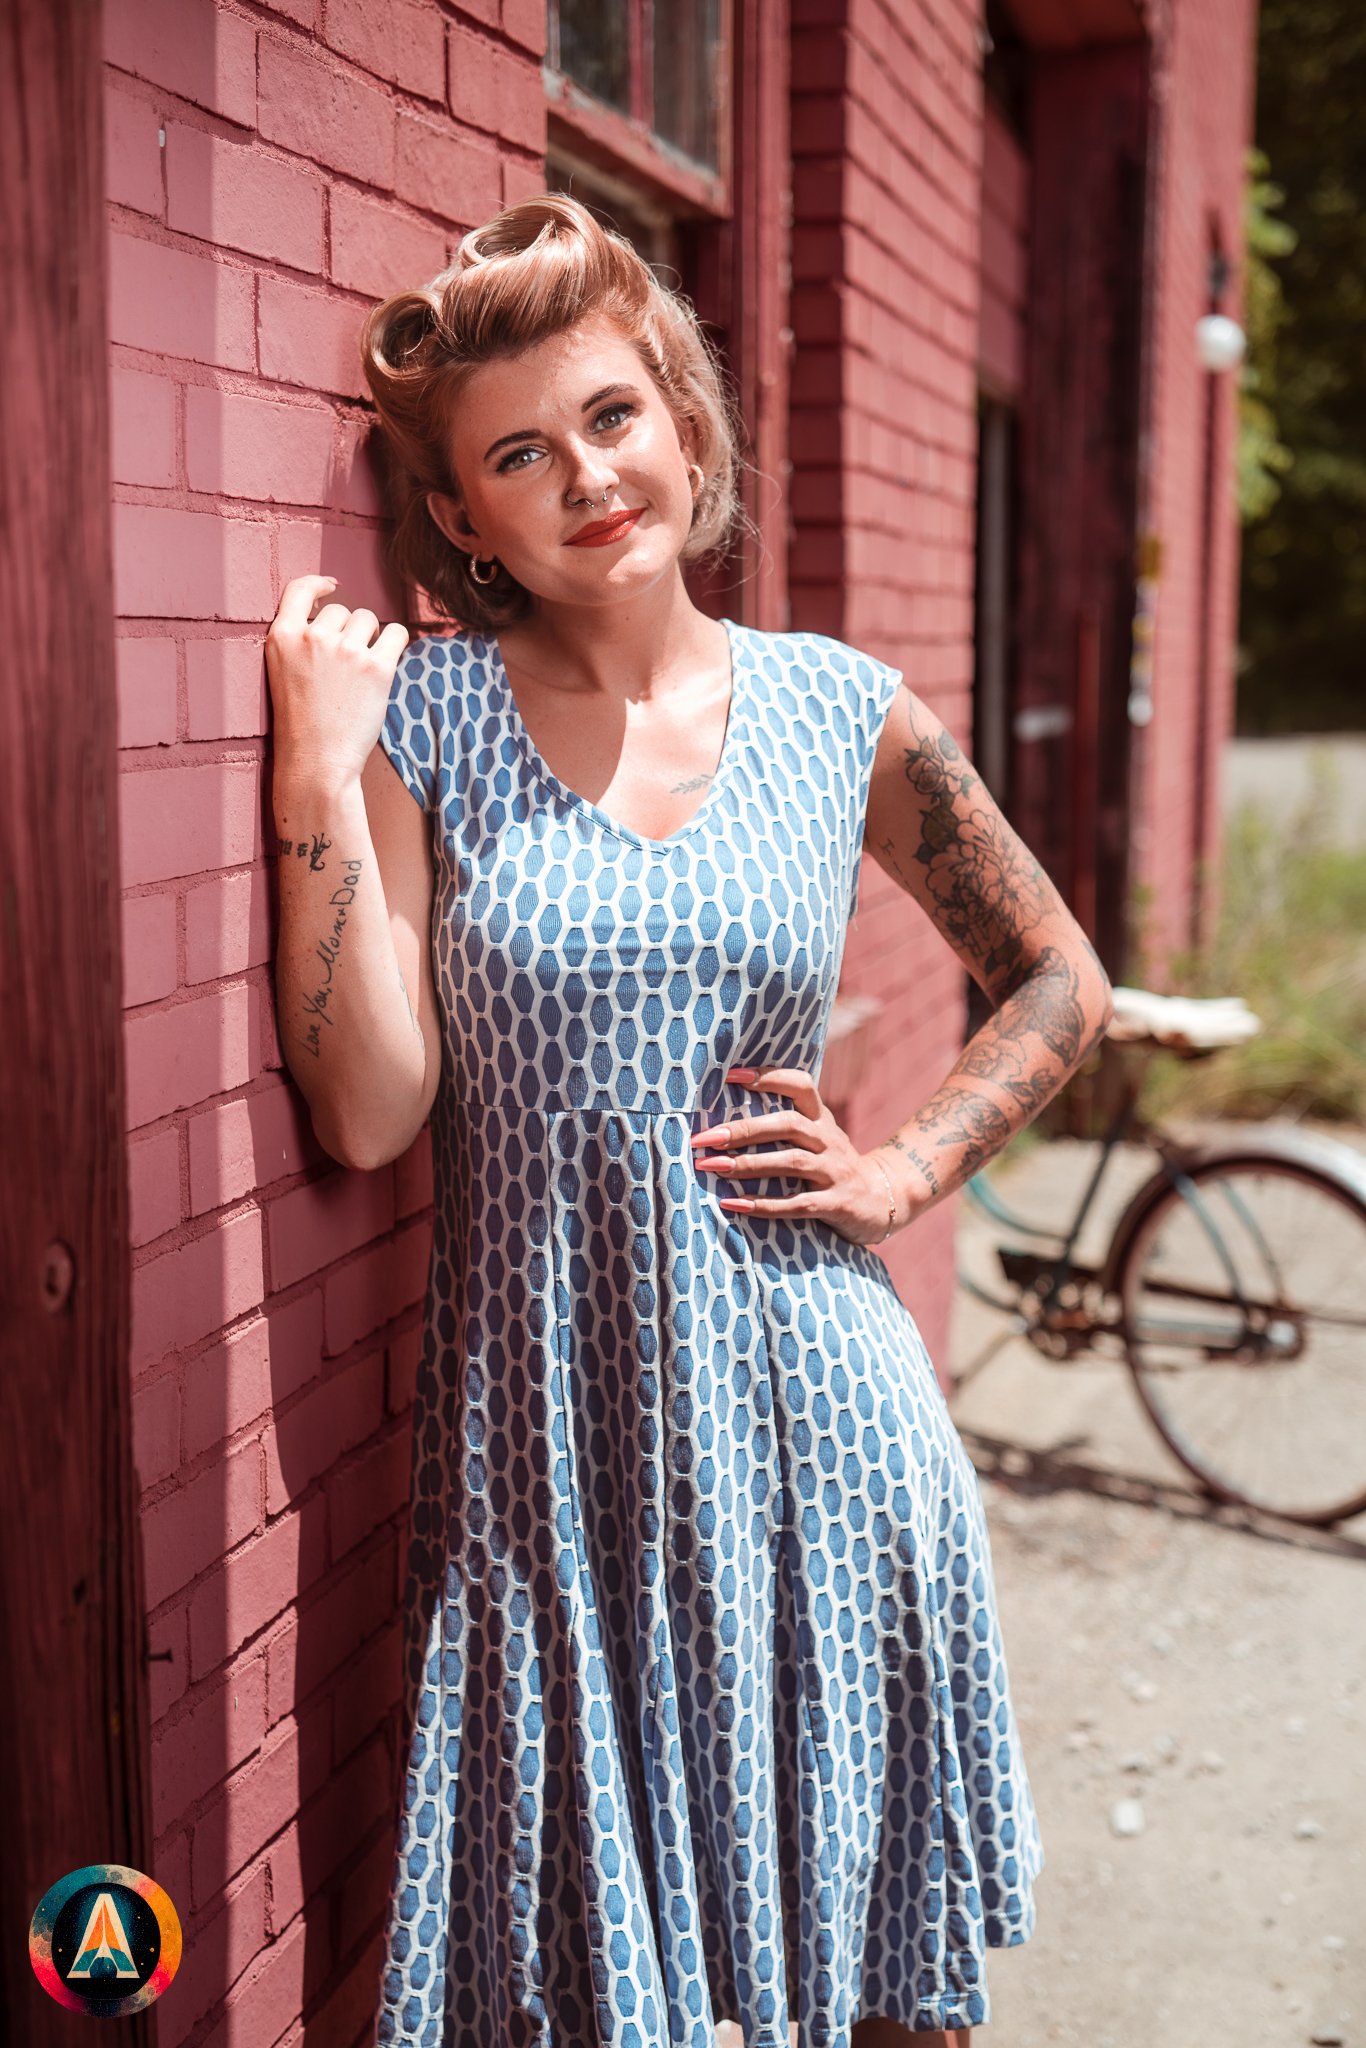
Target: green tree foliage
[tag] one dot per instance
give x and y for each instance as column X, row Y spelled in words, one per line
column 1303, row 444
column 1262, row 455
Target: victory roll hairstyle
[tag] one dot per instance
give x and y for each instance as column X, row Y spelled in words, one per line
column 534, row 270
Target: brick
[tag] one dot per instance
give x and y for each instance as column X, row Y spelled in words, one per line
column 175, row 303
column 227, row 926
column 220, row 1731
column 244, row 447
column 166, row 1681
column 132, row 151
column 226, row 688
column 156, row 1431
column 262, row 1798
column 179, row 1055
column 524, row 22
column 521, row 180
column 190, row 565
column 310, row 338
column 403, row 1354
column 472, row 80
column 325, row 1221
column 364, row 1895
column 309, row 1438
column 445, row 170
column 154, row 1186
column 366, row 1696
column 356, row 483
column 266, row 1053
column 248, row 1144
column 295, row 1331
column 262, row 1582
column 373, row 1288
column 194, row 47
column 294, row 1970
column 226, row 1388
column 146, row 684
column 355, row 1606
column 413, row 1176
column 217, row 1956
column 188, row 1293
column 183, row 821
column 353, row 554
column 149, row 943
column 378, row 249
column 401, row 40
column 196, row 1524
column 142, row 428
column 325, row 114
column 232, row 194
column 368, row 1490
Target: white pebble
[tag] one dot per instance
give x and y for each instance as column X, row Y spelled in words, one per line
column 1210, row 1760
column 1134, row 1761
column 1166, row 1745
column 1287, row 1898
column 1294, row 1727
column 1306, row 1830
column 1334, row 1941
column 1162, row 1642
column 1328, row 2037
column 1126, row 1817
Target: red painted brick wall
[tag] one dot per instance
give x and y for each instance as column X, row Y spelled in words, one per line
column 271, row 169
column 887, row 139
column 1208, row 94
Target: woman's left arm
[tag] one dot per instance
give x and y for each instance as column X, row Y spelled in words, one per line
column 933, row 827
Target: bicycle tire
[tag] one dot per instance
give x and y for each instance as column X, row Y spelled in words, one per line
column 1260, row 1390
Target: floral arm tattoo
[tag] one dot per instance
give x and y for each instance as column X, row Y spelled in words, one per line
column 991, row 900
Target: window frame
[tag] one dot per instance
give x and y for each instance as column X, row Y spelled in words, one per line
column 606, row 138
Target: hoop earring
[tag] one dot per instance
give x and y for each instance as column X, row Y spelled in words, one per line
column 492, row 567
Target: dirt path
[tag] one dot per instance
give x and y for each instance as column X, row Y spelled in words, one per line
column 1188, row 1658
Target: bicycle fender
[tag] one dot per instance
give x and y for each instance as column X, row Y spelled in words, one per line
column 1240, row 1145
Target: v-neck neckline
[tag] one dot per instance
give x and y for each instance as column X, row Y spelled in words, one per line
column 542, row 770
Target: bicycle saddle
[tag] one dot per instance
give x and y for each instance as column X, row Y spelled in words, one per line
column 1178, row 1021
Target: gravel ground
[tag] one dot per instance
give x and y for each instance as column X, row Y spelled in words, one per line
column 1190, row 1682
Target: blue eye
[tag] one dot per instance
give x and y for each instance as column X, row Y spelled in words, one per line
column 509, row 461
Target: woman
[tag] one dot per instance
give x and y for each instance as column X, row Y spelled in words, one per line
column 709, row 1716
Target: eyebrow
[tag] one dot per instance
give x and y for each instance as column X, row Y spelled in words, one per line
column 534, row 433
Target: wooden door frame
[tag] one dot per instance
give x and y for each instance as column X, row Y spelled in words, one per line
column 74, row 1776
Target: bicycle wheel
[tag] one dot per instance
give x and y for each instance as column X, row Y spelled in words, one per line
column 1243, row 1301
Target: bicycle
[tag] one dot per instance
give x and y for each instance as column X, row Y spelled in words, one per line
column 1234, row 1284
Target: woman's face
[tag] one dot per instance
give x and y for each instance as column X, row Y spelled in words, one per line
column 576, row 418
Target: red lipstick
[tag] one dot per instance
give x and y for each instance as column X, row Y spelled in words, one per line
column 604, row 531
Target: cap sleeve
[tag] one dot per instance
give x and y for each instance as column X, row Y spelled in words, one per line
column 408, row 735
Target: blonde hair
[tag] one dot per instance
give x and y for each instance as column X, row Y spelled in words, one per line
column 534, row 270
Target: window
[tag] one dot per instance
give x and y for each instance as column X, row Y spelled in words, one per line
column 647, row 80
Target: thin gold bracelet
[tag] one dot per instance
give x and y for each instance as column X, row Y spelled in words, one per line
column 891, row 1210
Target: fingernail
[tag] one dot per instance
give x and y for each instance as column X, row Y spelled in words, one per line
column 740, row 1073
column 715, row 1137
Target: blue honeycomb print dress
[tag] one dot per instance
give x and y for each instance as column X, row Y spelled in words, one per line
column 708, row 1715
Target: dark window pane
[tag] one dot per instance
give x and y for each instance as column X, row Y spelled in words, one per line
column 686, row 33
column 594, row 47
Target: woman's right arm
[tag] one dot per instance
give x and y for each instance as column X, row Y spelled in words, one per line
column 355, row 1000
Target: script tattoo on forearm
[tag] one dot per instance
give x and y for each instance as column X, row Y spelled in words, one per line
column 318, row 1003
column 917, row 1159
column 314, row 849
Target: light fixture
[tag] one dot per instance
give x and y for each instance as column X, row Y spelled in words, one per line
column 1220, row 343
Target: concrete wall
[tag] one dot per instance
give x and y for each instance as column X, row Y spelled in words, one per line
column 271, row 170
